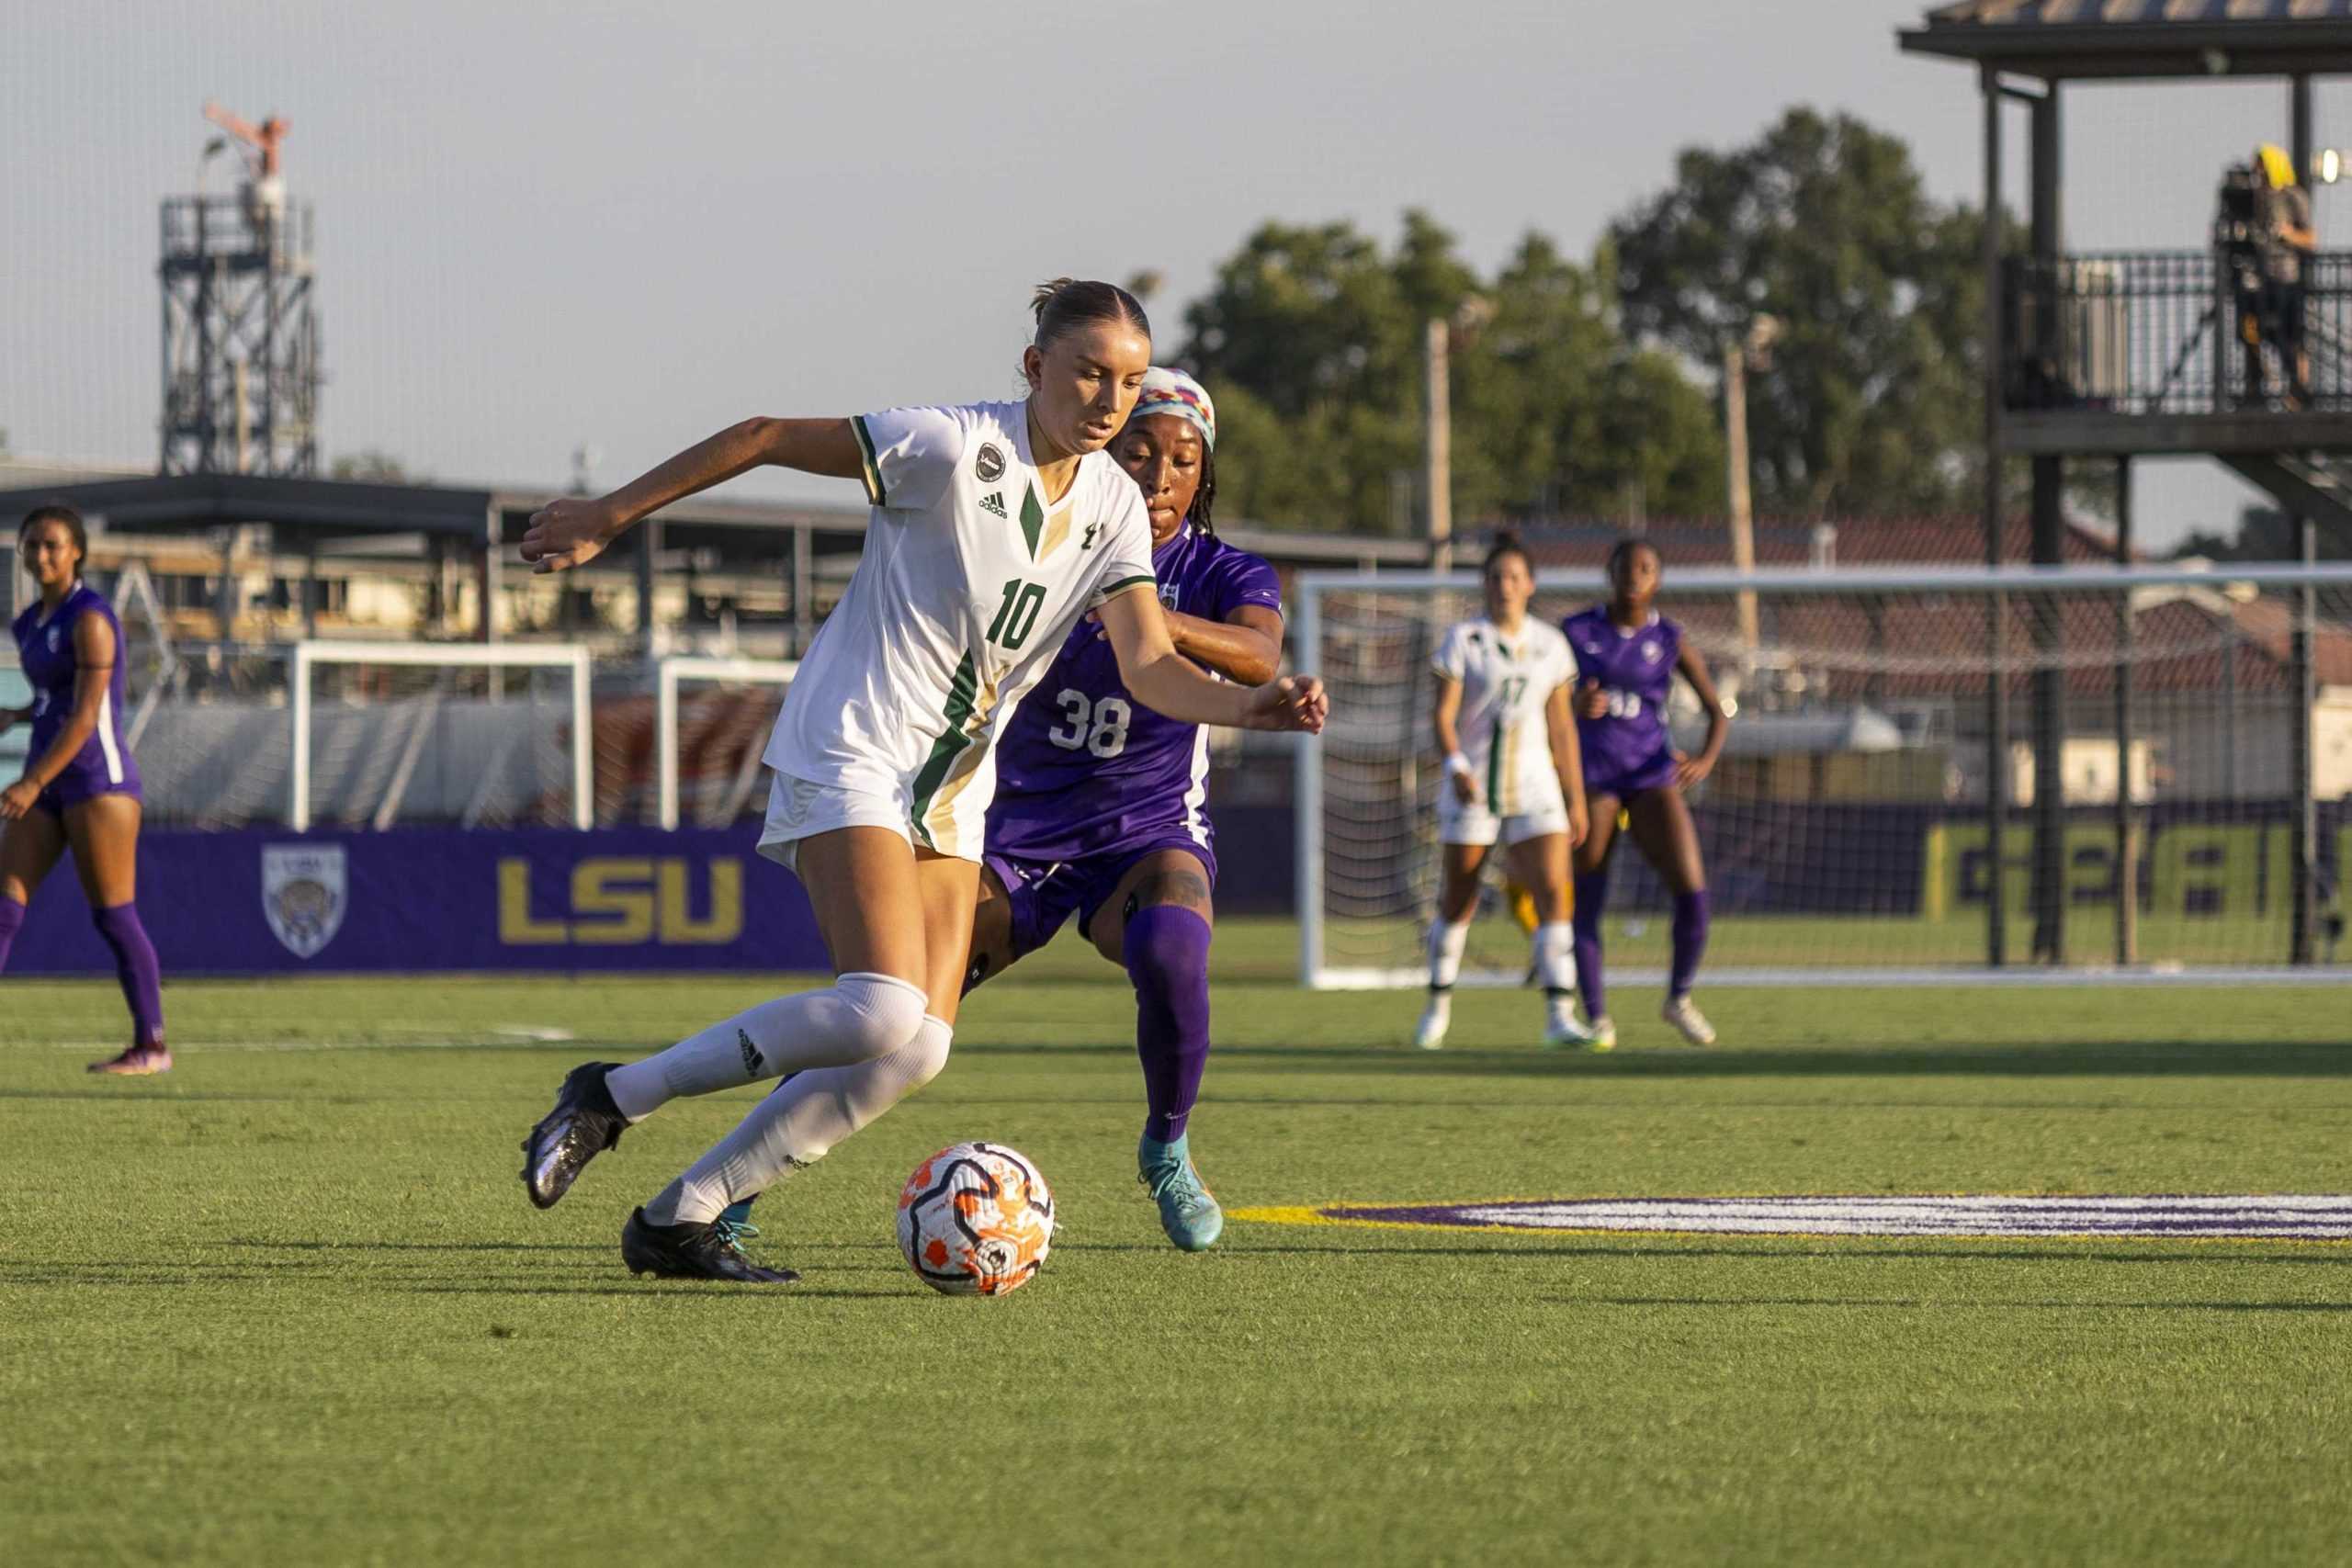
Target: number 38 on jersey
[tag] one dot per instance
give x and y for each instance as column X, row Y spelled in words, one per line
column 1099, row 728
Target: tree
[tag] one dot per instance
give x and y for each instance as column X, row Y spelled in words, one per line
column 1872, row 402
column 1312, row 341
column 374, row 467
column 1555, row 412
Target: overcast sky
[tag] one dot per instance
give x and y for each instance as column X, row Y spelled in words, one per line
column 541, row 225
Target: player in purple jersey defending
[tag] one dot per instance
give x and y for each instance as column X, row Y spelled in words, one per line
column 1098, row 809
column 81, row 789
column 1627, row 655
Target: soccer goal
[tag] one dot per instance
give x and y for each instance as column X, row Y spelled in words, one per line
column 1932, row 773
column 480, row 735
column 711, row 720
column 371, row 734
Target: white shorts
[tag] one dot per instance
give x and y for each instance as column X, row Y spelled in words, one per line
column 799, row 809
column 1473, row 824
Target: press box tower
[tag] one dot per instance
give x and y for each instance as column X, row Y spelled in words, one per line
column 241, row 332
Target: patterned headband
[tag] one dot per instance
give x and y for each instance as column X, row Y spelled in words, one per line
column 1172, row 391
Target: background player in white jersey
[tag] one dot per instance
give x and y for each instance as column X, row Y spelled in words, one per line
column 1511, row 774
column 995, row 527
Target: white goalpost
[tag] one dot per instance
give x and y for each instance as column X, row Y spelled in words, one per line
column 479, row 718
column 744, row 772
column 1934, row 774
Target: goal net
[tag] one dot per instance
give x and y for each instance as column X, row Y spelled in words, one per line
column 2166, row 752
column 371, row 734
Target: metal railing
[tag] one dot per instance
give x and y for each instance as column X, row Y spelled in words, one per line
column 2176, row 333
column 248, row 228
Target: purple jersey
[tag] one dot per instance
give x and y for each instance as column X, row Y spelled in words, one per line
column 45, row 648
column 1083, row 767
column 1636, row 670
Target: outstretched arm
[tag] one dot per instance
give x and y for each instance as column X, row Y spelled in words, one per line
column 231, row 124
column 1694, row 670
column 1167, row 682
column 573, row 531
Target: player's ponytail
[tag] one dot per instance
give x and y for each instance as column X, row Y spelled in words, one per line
column 65, row 517
column 1065, row 304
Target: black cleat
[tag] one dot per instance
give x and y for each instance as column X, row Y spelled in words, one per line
column 692, row 1252
column 583, row 1124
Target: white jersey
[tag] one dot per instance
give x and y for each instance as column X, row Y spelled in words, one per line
column 1506, row 682
column 970, row 581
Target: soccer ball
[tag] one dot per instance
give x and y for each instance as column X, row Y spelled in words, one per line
column 976, row 1220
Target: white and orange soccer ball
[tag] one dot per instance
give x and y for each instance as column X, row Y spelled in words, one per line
column 976, row 1220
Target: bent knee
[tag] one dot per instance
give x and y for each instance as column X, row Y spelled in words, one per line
column 926, row 1055
column 880, row 1013
column 1167, row 951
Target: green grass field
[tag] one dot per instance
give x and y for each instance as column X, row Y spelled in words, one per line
column 288, row 1304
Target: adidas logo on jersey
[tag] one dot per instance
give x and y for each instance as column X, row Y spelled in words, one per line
column 993, row 502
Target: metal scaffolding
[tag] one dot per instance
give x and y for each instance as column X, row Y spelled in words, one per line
column 241, row 337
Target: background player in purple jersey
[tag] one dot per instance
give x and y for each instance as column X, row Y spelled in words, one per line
column 1627, row 655
column 81, row 789
column 1099, row 801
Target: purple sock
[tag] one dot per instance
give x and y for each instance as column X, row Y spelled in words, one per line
column 1592, row 897
column 1167, row 949
column 1689, row 939
column 134, row 966
column 12, row 920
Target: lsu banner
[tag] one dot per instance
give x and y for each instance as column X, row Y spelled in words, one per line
column 257, row 902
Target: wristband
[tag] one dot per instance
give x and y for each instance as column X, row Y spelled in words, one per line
column 1455, row 762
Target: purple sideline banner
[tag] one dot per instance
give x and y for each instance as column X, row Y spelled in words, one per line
column 260, row 902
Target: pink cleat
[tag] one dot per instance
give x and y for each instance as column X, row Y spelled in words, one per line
column 138, row 1062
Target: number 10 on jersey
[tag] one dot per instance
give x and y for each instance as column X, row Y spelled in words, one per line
column 1017, row 616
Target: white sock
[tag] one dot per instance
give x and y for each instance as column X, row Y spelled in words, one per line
column 1556, row 965
column 860, row 1016
column 797, row 1125
column 1447, row 943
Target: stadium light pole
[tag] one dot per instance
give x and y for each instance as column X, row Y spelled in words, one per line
column 1437, row 420
column 1751, row 351
column 1437, row 442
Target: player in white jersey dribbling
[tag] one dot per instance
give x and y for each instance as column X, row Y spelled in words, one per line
column 995, row 526
column 1511, row 774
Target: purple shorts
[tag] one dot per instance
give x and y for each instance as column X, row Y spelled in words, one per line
column 1045, row 893
column 1654, row 772
column 73, row 787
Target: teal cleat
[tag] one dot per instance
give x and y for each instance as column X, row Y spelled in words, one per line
column 1188, row 1211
